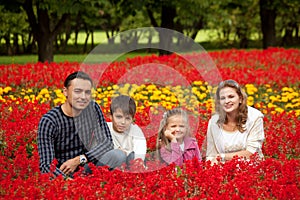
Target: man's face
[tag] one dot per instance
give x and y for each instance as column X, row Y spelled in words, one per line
column 78, row 93
column 121, row 122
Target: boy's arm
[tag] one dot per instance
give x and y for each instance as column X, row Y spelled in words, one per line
column 139, row 144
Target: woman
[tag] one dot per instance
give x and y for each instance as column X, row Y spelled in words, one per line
column 235, row 129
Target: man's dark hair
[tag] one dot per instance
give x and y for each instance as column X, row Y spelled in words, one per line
column 78, row 74
column 125, row 103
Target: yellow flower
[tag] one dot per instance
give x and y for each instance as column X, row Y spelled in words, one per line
column 173, row 99
column 7, row 89
column 151, row 87
column 280, row 110
column 250, row 89
column 109, row 88
column 270, row 105
column 203, row 88
column 44, row 91
column 1, row 99
column 284, row 99
column 198, row 82
column 12, row 97
column 273, row 98
column 250, row 100
column 289, row 106
column 115, row 87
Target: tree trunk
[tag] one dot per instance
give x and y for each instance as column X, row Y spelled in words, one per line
column 16, row 49
column 45, row 49
column 267, row 17
column 165, row 37
column 40, row 26
column 288, row 36
column 8, row 46
column 86, row 42
column 92, row 38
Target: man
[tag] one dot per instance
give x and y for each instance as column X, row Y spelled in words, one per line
column 75, row 132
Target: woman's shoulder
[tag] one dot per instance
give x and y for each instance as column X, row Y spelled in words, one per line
column 254, row 113
column 214, row 117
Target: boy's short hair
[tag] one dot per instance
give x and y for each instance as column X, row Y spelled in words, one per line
column 125, row 103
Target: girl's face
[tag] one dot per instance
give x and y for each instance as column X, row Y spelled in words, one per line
column 229, row 100
column 177, row 126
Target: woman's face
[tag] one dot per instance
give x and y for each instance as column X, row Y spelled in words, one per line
column 229, row 99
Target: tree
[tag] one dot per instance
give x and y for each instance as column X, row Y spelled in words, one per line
column 267, row 16
column 46, row 18
column 288, row 23
column 12, row 25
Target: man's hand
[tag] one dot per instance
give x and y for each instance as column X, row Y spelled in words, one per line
column 70, row 165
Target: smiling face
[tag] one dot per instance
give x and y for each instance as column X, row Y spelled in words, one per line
column 229, row 100
column 120, row 121
column 177, row 126
column 78, row 94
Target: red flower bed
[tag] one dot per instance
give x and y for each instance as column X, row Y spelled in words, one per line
column 277, row 177
column 252, row 66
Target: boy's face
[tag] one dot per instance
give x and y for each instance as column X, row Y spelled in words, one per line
column 121, row 122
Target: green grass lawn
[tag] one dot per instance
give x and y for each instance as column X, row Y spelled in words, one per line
column 70, row 58
column 207, row 38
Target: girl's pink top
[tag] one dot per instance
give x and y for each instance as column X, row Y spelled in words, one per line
column 177, row 156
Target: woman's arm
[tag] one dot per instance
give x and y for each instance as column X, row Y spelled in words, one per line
column 211, row 150
column 254, row 141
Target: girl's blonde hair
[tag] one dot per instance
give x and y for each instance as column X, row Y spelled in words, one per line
column 161, row 138
column 241, row 118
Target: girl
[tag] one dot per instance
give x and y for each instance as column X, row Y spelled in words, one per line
column 235, row 129
column 174, row 142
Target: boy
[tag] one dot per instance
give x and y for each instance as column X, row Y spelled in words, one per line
column 126, row 135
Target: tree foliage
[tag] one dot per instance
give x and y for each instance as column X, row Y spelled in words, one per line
column 50, row 23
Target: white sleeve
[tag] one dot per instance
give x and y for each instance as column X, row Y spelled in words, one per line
column 139, row 143
column 256, row 137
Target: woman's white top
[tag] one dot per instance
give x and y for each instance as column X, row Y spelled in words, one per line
column 219, row 141
column 233, row 141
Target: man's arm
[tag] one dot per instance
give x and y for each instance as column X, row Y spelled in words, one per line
column 46, row 151
column 102, row 135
